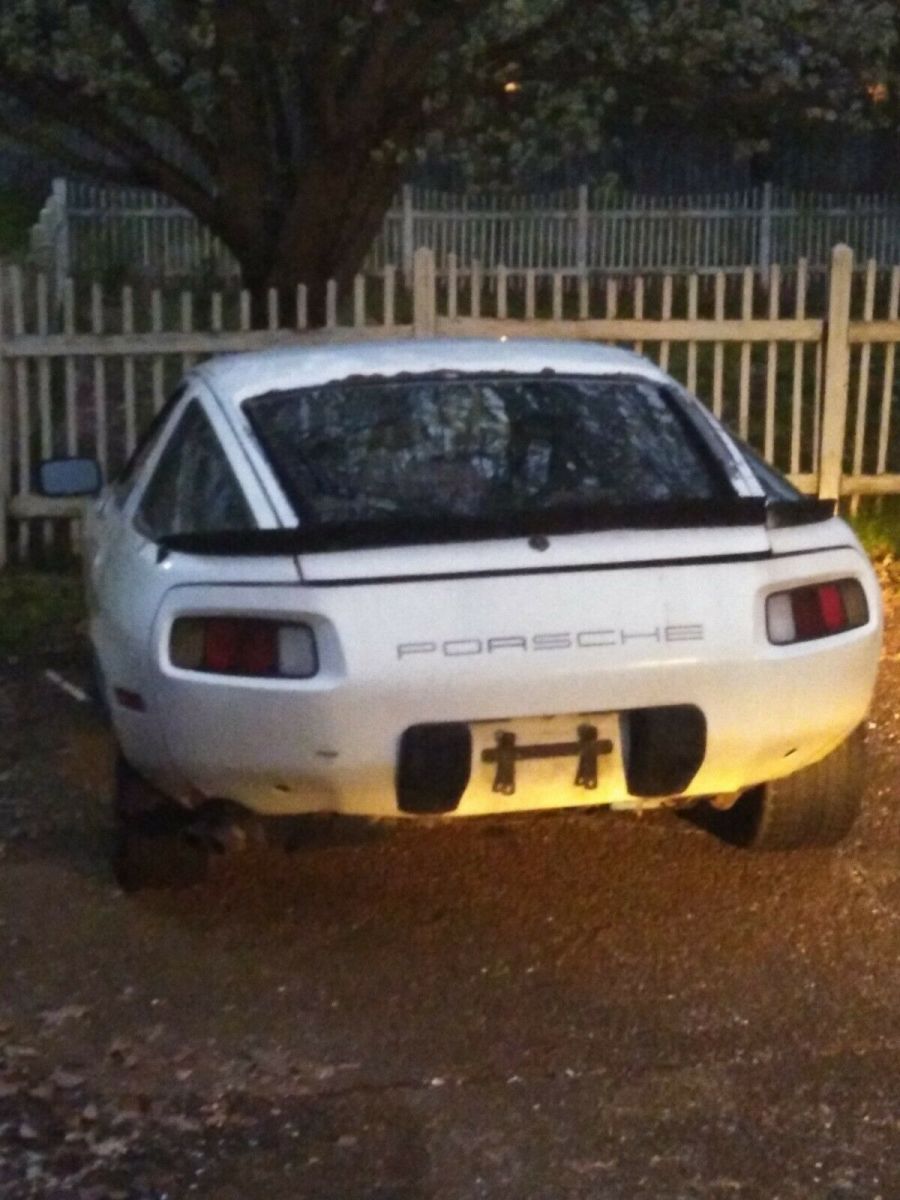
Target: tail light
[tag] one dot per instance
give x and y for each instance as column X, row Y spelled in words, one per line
column 815, row 611
column 244, row 646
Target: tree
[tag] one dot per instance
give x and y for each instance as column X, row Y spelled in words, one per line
column 742, row 71
column 286, row 126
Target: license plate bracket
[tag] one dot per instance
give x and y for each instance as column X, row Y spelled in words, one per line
column 508, row 751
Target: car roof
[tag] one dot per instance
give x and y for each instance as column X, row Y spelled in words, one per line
column 236, row 377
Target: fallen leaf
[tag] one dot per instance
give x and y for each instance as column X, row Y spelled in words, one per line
column 273, row 1062
column 584, row 1166
column 110, row 1147
column 183, row 1124
column 19, row 1052
column 66, row 1080
column 54, row 1017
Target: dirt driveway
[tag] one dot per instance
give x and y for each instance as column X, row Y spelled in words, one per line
column 565, row 1006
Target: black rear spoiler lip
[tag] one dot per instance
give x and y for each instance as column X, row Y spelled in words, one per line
column 370, row 535
column 783, row 514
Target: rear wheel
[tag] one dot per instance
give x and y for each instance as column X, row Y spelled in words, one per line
column 151, row 849
column 813, row 807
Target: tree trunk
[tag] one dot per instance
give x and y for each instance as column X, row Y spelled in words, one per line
column 337, row 211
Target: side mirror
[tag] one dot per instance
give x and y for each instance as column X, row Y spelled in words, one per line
column 69, row 477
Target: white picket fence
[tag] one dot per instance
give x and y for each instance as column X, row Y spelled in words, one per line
column 85, row 229
column 804, row 369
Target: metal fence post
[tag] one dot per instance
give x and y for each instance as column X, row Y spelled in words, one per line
column 62, row 249
column 424, row 293
column 836, row 381
column 581, row 231
column 765, row 230
column 5, row 429
column 406, row 233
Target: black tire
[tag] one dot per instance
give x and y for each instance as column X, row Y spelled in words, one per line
column 150, row 847
column 816, row 806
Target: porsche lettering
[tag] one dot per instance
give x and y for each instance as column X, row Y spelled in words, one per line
column 584, row 639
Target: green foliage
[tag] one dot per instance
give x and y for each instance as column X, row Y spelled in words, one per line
column 42, row 612
column 877, row 526
column 285, row 125
column 741, row 70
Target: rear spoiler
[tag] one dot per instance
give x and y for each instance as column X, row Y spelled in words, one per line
column 782, row 514
column 418, row 531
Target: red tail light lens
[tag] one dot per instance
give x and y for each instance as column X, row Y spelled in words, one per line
column 239, row 647
column 816, row 611
column 243, row 646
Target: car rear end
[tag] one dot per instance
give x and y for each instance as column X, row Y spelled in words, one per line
column 472, row 630
column 667, row 667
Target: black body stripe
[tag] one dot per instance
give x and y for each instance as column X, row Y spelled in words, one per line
column 579, row 568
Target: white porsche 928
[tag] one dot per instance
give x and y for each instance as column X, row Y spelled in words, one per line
column 464, row 577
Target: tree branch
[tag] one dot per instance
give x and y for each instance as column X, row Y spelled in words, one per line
column 266, row 36
column 165, row 86
column 392, row 75
column 70, row 108
column 235, row 47
column 58, row 149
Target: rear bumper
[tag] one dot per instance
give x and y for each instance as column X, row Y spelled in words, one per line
column 283, row 753
column 332, row 743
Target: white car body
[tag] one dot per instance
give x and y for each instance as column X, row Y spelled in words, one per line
column 533, row 638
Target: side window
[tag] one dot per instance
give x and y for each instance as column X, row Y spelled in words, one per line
column 125, row 480
column 772, row 482
column 193, row 489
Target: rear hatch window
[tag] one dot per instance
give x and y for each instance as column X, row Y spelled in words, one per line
column 387, row 461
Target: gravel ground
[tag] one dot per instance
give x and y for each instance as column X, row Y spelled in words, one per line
column 562, row 1006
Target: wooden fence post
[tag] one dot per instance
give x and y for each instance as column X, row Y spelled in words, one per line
column 836, row 384
column 424, row 293
column 5, row 429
